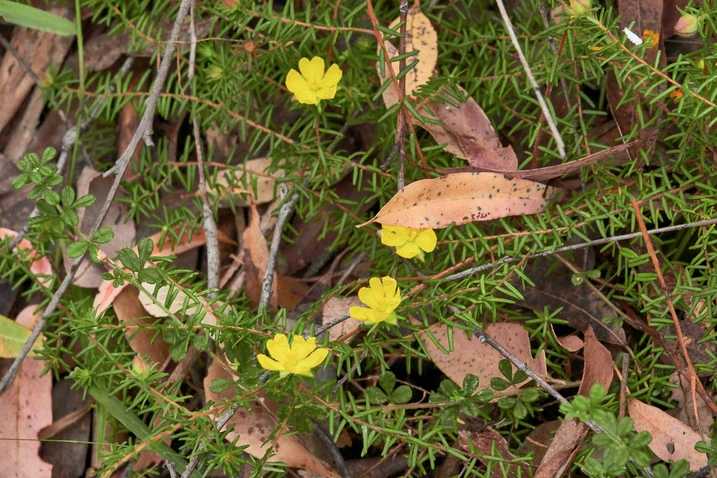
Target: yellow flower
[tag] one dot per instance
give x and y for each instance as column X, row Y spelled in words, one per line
column 651, row 38
column 676, row 95
column 313, row 85
column 408, row 242
column 298, row 358
column 382, row 296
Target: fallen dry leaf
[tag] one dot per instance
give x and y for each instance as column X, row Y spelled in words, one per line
column 462, row 198
column 598, row 364
column 538, row 440
column 89, row 274
column 108, row 292
column 336, row 307
column 232, row 182
column 253, row 430
column 176, row 305
column 144, row 340
column 40, row 265
column 13, row 337
column 421, row 37
column 256, row 258
column 25, row 409
column 671, row 439
column 290, row 291
column 685, row 407
column 492, row 445
column 571, row 343
column 471, row 356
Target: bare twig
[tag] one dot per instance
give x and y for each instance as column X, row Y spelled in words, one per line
column 210, row 226
column 69, row 139
column 284, row 213
column 401, row 126
column 574, row 247
column 144, row 131
column 332, row 449
column 529, row 73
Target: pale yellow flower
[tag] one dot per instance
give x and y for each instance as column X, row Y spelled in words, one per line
column 313, row 84
column 298, row 358
column 408, row 242
column 382, row 297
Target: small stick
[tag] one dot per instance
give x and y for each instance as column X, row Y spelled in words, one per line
column 529, row 73
column 143, row 132
column 573, row 247
column 401, row 121
column 332, row 449
column 623, row 385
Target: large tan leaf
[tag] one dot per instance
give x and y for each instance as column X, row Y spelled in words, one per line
column 336, row 307
column 253, row 430
column 671, row 439
column 152, row 304
column 462, row 198
column 255, row 170
column 471, row 356
column 25, row 409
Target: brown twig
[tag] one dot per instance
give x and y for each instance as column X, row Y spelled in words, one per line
column 694, row 381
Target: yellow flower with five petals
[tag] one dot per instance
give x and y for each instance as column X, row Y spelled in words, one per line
column 382, row 297
column 313, row 84
column 408, row 242
column 298, row 358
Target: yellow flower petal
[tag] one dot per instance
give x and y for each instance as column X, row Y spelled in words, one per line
column 389, row 286
column 312, row 70
column 394, row 236
column 358, row 313
column 315, row 358
column 307, row 97
column 268, row 363
column 408, row 250
column 302, row 348
column 278, row 347
column 295, row 82
column 332, row 77
column 371, row 296
column 426, row 240
column 326, row 93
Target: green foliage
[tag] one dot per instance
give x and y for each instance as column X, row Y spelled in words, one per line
column 35, row 18
column 466, row 399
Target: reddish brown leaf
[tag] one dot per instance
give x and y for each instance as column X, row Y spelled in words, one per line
column 256, row 258
column 129, row 310
column 598, row 364
column 564, row 445
column 491, row 444
column 40, row 265
column 462, row 198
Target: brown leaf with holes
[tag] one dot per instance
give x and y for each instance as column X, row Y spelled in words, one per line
column 471, row 356
column 462, row 198
column 671, row 439
column 256, row 258
column 253, row 430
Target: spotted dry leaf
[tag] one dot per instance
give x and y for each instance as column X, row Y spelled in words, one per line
column 462, row 198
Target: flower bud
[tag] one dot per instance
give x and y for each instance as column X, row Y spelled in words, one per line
column 579, row 7
column 687, row 25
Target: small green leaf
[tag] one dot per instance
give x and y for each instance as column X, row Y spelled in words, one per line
column 36, row 19
column 145, row 248
column 471, row 409
column 387, row 380
column 150, row 275
column 103, row 235
column 402, row 394
column 520, row 411
column 85, row 201
column 20, row 181
column 76, row 249
column 448, row 388
column 470, row 383
column 597, row 393
column 507, row 403
column 450, row 414
column 499, row 384
column 68, row 196
column 529, row 395
column 506, row 369
column 483, row 396
column 52, row 197
column 129, row 259
column 375, row 396
column 219, row 385
column 49, row 153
